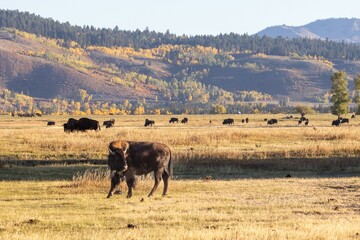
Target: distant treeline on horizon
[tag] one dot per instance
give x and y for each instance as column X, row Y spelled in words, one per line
column 89, row 35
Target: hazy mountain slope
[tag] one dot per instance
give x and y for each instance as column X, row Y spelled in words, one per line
column 341, row 29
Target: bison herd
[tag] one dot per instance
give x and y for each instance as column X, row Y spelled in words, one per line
column 84, row 124
column 128, row 159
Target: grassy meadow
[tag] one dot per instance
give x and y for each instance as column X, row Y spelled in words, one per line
column 245, row 181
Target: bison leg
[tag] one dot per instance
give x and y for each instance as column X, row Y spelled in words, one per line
column 157, row 181
column 165, row 177
column 115, row 181
column 130, row 183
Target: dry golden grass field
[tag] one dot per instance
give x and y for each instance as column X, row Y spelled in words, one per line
column 244, row 181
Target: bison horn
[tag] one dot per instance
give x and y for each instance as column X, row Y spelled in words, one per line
column 111, row 152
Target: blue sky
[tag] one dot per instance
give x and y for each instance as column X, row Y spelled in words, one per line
column 189, row 17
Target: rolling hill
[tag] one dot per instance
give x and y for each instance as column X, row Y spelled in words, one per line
column 43, row 68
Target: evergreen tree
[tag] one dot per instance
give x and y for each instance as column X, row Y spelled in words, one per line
column 340, row 94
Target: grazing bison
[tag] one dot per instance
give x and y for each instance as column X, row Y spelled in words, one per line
column 353, row 116
column 172, row 120
column 87, row 124
column 109, row 123
column 82, row 124
column 228, row 121
column 272, row 121
column 345, row 120
column 127, row 159
column 184, row 120
column 247, row 120
column 242, row 120
column 306, row 122
column 51, row 123
column 336, row 123
column 71, row 125
column 149, row 122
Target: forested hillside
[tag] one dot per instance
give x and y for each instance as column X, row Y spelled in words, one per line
column 65, row 68
column 88, row 36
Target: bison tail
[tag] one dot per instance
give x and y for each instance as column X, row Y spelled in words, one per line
column 170, row 167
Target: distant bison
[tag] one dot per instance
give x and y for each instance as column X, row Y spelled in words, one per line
column 272, row 121
column 228, row 121
column 82, row 124
column 247, row 120
column 51, row 123
column 184, row 120
column 353, row 116
column 149, row 122
column 87, row 124
column 336, row 123
column 127, row 159
column 172, row 120
column 71, row 125
column 345, row 120
column 109, row 123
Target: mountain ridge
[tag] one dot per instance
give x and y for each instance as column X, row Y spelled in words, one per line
column 336, row 29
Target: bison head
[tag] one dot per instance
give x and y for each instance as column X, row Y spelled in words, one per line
column 117, row 160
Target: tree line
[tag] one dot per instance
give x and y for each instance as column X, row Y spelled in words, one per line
column 110, row 37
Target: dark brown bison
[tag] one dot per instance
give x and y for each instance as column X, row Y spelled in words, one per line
column 353, row 116
column 82, row 124
column 345, row 120
column 71, row 125
column 51, row 123
column 336, row 122
column 127, row 159
column 109, row 123
column 228, row 121
column 172, row 120
column 149, row 122
column 88, row 124
column 247, row 120
column 272, row 121
column 184, row 120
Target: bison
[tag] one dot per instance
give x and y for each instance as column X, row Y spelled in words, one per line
column 127, row 159
column 336, row 122
column 228, row 121
column 71, row 125
column 247, row 120
column 51, row 123
column 87, row 124
column 149, row 122
column 82, row 124
column 109, row 123
column 172, row 120
column 345, row 120
column 272, row 121
column 184, row 120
